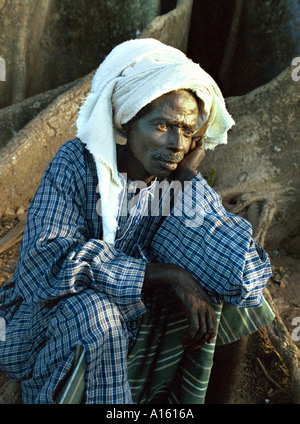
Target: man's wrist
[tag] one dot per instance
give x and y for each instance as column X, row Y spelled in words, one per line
column 158, row 274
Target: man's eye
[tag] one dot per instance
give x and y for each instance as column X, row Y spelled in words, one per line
column 187, row 132
column 162, row 126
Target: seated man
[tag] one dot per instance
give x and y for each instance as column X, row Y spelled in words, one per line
column 146, row 295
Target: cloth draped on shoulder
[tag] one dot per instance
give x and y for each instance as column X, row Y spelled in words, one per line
column 134, row 74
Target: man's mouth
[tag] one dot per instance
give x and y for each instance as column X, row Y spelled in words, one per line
column 170, row 162
column 170, row 165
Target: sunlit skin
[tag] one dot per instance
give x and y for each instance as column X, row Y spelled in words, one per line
column 159, row 141
column 160, row 144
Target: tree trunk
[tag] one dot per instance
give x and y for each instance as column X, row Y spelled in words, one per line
column 48, row 43
column 257, row 172
column 257, row 175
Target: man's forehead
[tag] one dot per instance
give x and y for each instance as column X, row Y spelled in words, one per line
column 175, row 106
column 177, row 98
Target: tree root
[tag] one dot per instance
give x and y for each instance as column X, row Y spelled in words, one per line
column 266, row 216
column 270, row 378
column 285, row 346
column 278, row 333
column 260, row 213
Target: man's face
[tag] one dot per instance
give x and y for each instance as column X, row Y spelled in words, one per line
column 161, row 138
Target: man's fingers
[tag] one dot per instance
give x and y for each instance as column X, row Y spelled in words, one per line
column 211, row 320
column 193, row 145
column 206, row 330
column 199, row 141
column 201, row 330
column 189, row 338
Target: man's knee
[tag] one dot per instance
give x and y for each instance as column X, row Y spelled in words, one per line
column 89, row 317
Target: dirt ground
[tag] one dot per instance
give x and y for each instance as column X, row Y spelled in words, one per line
column 264, row 378
column 254, row 386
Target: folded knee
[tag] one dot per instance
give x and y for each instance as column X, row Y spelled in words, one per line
column 88, row 316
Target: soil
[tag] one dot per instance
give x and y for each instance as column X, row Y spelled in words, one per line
column 264, row 378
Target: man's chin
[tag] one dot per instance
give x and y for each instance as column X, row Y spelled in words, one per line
column 164, row 172
column 162, row 175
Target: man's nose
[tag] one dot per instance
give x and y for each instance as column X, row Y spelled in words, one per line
column 176, row 140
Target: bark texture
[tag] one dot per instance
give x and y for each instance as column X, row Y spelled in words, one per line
column 257, row 172
column 54, row 43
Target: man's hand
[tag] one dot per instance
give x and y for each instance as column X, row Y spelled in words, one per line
column 186, row 170
column 192, row 299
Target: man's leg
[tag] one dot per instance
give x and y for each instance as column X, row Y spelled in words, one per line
column 92, row 320
column 225, row 371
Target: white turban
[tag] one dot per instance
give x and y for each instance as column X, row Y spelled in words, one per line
column 134, row 74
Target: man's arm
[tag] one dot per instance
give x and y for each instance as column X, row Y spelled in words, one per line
column 179, row 283
column 192, row 299
column 220, row 255
column 59, row 256
column 218, row 249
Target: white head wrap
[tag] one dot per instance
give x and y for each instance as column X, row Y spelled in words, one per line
column 134, row 74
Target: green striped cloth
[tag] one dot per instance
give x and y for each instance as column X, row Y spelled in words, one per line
column 159, row 369
column 73, row 390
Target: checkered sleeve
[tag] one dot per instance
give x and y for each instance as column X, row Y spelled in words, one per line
column 216, row 246
column 58, row 258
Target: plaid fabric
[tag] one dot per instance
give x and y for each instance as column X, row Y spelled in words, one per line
column 99, row 296
column 215, row 246
column 159, row 370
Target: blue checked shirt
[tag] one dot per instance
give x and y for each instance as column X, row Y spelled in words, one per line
column 62, row 252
